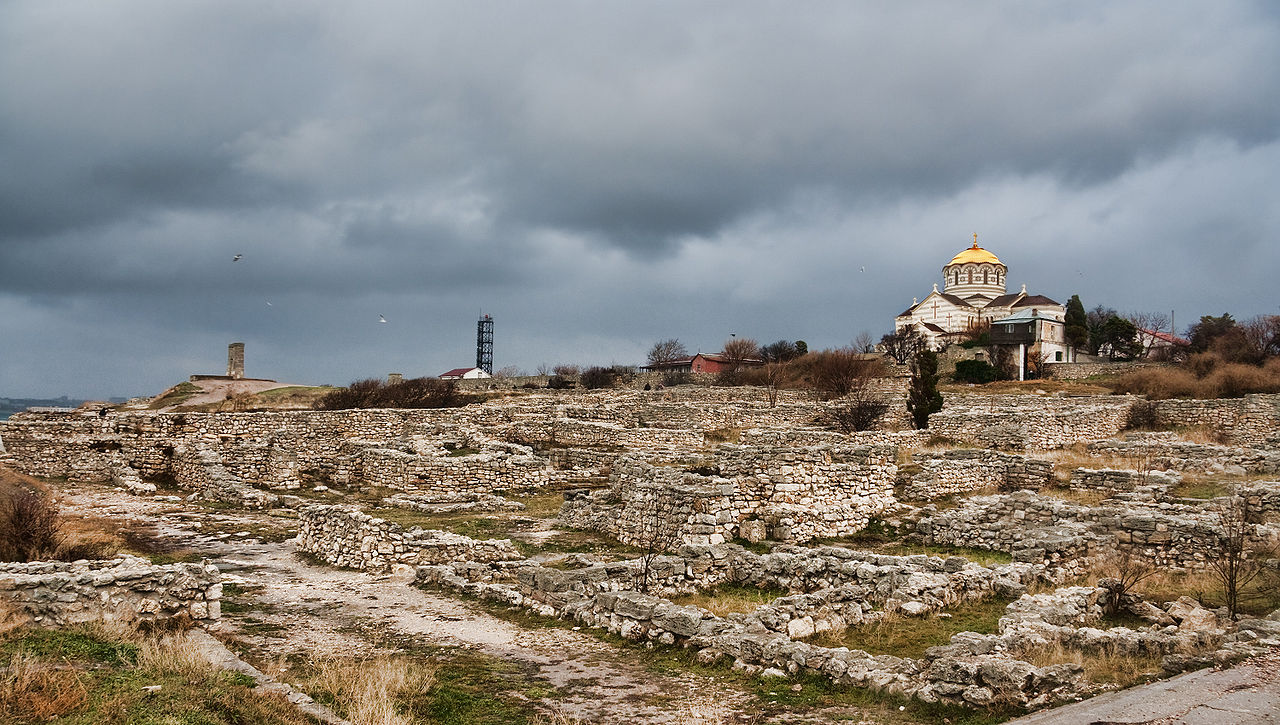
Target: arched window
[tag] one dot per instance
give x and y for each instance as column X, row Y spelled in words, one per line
column 968, row 276
column 955, row 276
column 984, row 275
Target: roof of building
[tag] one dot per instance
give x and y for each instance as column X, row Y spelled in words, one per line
column 457, row 372
column 1005, row 300
column 933, row 328
column 1024, row 316
column 1030, row 300
column 976, row 255
column 674, row 362
column 1164, row 336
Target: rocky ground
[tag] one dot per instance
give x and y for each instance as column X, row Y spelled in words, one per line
column 283, row 608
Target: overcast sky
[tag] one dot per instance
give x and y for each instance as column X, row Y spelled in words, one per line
column 601, row 175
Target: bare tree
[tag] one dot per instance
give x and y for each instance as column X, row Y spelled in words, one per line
column 1263, row 335
column 737, row 353
column 565, row 370
column 661, row 517
column 902, row 345
column 1125, row 569
column 664, row 351
column 1241, row 556
column 544, row 369
column 510, row 371
column 1148, row 322
column 837, row 373
column 776, row 375
column 779, row 351
column 864, row 342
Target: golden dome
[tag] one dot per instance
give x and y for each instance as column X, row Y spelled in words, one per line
column 975, row 255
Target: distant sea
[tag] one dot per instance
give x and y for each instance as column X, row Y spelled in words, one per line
column 9, row 406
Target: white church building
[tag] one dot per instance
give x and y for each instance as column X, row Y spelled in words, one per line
column 973, row 297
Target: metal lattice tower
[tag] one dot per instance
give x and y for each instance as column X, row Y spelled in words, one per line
column 484, row 344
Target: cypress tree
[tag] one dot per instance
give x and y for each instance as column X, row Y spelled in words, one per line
column 923, row 398
column 1077, row 324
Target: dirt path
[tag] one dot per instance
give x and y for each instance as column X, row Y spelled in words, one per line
column 321, row 611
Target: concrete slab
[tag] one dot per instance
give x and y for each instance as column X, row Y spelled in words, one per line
column 1248, row 694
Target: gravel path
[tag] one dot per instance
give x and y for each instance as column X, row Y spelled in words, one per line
column 322, row 611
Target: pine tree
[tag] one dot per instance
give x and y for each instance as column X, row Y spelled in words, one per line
column 923, row 398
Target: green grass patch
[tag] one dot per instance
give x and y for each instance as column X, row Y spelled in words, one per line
column 76, row 644
column 903, row 636
column 1202, row 489
column 729, row 598
column 175, row 395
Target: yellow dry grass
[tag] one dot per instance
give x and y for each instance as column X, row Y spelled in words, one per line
column 1104, row 667
column 366, row 690
column 36, row 691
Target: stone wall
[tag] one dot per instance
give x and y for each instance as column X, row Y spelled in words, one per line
column 1166, row 451
column 1082, row 370
column 1019, row 422
column 1253, row 420
column 127, row 589
column 1072, row 537
column 837, row 588
column 346, row 536
column 966, row 469
column 1110, row 479
column 800, row 494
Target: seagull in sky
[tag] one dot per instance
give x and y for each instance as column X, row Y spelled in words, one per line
column 381, row 319
column 236, row 258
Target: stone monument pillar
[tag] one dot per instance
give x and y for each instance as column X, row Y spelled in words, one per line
column 235, row 360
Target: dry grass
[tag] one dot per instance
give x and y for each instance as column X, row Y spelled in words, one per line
column 366, row 691
column 730, row 599
column 722, row 435
column 35, row 691
column 902, row 636
column 1103, row 668
column 1084, row 497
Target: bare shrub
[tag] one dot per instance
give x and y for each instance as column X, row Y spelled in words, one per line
column 860, row 413
column 1158, row 383
column 1241, row 556
column 672, row 379
column 1123, row 570
column 565, row 370
column 836, row 373
column 376, row 393
column 1236, row 380
column 661, row 517
column 29, row 528
column 1142, row 416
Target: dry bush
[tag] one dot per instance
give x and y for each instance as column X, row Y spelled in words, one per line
column 35, row 691
column 1158, row 383
column 366, row 690
column 28, row 524
column 1236, row 380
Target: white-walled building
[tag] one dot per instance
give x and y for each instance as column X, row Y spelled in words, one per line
column 973, row 296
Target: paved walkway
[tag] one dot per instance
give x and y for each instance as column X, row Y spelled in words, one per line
column 1248, row 694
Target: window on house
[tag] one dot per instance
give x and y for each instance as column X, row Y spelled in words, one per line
column 1057, row 356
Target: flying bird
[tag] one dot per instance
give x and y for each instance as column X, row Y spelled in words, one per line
column 236, row 258
column 381, row 318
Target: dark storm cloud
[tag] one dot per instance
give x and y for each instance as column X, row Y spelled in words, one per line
column 595, row 173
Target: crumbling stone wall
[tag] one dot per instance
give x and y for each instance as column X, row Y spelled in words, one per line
column 346, row 536
column 1253, row 420
column 1018, row 422
column 1165, row 450
column 127, row 589
column 1110, row 479
column 968, row 469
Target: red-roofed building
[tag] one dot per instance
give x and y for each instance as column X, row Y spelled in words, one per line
column 703, row 362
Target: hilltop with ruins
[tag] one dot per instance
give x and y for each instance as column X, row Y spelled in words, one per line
column 1024, row 551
